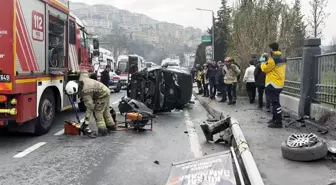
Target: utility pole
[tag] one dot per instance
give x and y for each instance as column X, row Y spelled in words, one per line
column 213, row 30
column 213, row 35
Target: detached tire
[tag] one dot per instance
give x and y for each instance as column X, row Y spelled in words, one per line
column 46, row 112
column 304, row 154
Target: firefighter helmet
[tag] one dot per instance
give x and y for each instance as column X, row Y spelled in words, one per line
column 71, row 88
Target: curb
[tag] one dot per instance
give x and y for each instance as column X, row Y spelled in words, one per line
column 242, row 145
column 213, row 112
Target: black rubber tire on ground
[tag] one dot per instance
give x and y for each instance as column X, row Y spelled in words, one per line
column 47, row 110
column 316, row 152
column 81, row 106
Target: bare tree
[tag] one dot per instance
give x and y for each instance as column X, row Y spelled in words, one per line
column 317, row 19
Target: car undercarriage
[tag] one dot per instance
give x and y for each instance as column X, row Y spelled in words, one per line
column 161, row 89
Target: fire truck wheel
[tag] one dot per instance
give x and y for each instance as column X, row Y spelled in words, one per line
column 81, row 106
column 46, row 113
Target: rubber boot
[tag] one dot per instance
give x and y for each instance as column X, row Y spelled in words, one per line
column 275, row 125
column 87, row 131
column 102, row 132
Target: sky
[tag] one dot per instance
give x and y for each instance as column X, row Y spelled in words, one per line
column 184, row 12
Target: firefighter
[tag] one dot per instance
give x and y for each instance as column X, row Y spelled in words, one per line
column 231, row 74
column 96, row 97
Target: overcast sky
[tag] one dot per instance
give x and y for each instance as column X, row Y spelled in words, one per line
column 184, row 11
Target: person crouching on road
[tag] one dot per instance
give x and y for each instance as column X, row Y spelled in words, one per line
column 105, row 76
column 250, row 81
column 205, row 80
column 259, row 77
column 220, row 82
column 231, row 72
column 199, row 79
column 275, row 69
column 96, row 97
column 212, row 71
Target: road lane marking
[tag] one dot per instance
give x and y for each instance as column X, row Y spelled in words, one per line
column 193, row 137
column 61, row 132
column 29, row 150
column 116, row 102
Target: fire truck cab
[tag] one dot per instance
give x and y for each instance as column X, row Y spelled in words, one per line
column 43, row 46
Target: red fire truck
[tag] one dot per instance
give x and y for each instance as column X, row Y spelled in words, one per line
column 43, row 46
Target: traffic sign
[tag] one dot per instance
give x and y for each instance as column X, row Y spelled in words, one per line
column 206, row 38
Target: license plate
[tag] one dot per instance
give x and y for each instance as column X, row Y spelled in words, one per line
column 4, row 78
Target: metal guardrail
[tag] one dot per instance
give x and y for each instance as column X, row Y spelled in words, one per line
column 293, row 76
column 326, row 86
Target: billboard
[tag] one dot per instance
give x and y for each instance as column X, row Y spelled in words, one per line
column 214, row 169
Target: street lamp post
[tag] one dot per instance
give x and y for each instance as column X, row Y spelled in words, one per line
column 213, row 30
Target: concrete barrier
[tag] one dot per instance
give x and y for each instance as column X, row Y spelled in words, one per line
column 318, row 112
column 242, row 145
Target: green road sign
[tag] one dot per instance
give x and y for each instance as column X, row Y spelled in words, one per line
column 206, row 38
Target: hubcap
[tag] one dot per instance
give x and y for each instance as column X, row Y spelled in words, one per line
column 47, row 110
column 302, row 140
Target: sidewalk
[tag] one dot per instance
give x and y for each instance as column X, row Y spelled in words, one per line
column 265, row 146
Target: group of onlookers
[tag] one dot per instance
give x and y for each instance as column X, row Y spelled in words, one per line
column 265, row 75
column 221, row 76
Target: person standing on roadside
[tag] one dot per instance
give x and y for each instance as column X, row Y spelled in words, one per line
column 205, row 80
column 231, row 72
column 193, row 72
column 250, row 81
column 220, row 82
column 260, row 81
column 212, row 71
column 275, row 69
column 105, row 76
column 199, row 79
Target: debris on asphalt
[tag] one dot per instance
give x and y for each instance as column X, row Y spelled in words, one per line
column 186, row 132
column 157, row 162
column 286, row 116
column 332, row 147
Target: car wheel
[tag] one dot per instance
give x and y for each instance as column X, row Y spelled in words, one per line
column 81, row 106
column 304, row 147
column 46, row 113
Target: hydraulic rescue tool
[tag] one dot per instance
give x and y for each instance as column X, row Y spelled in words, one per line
column 75, row 128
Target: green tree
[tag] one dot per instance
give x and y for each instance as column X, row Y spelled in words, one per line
column 222, row 31
column 299, row 30
column 200, row 54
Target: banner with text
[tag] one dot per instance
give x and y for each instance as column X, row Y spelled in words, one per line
column 213, row 170
column 208, row 53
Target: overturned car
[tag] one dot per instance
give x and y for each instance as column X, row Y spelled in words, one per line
column 161, row 88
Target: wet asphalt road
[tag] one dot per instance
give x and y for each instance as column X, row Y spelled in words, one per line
column 121, row 158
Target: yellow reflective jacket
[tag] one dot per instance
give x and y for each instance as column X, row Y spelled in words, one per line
column 275, row 69
column 199, row 75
